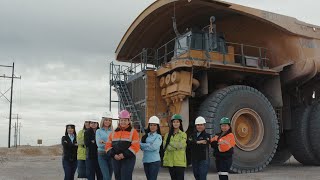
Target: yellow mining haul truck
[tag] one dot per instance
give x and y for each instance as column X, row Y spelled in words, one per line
column 258, row 68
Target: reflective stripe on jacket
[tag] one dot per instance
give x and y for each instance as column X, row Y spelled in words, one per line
column 123, row 141
column 223, row 145
column 226, row 142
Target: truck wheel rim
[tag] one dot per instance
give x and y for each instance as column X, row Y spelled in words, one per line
column 248, row 129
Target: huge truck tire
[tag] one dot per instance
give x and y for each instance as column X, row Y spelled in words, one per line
column 283, row 153
column 298, row 138
column 253, row 121
column 314, row 134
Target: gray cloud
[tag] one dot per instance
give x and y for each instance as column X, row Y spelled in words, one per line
column 62, row 49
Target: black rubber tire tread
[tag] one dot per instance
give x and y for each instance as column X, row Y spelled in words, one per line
column 314, row 134
column 283, row 153
column 298, row 137
column 225, row 102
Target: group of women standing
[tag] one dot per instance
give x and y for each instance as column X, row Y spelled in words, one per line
column 104, row 151
column 87, row 149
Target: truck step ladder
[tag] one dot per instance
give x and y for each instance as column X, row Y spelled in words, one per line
column 124, row 95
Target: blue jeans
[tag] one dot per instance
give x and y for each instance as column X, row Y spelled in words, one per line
column 152, row 170
column 123, row 169
column 93, row 169
column 200, row 169
column 69, row 168
column 105, row 166
column 82, row 169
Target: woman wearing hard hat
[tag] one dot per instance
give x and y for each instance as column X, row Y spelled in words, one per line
column 150, row 144
column 175, row 149
column 92, row 164
column 70, row 146
column 123, row 144
column 82, row 151
column 199, row 144
column 102, row 135
column 223, row 144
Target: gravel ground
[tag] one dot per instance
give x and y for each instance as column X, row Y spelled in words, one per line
column 50, row 168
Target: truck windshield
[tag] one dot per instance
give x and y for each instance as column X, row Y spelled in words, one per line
column 182, row 44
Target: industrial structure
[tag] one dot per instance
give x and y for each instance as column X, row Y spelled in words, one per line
column 218, row 59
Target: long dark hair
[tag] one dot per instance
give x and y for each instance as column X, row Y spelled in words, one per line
column 171, row 130
column 91, row 131
column 74, row 130
column 144, row 137
column 84, row 125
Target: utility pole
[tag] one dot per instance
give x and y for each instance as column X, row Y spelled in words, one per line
column 16, row 127
column 11, row 94
column 15, row 135
column 19, row 133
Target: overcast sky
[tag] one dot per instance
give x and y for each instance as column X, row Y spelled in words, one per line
column 62, row 50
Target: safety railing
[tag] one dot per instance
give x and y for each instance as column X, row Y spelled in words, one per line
column 244, row 55
column 144, row 60
column 118, row 79
column 242, row 52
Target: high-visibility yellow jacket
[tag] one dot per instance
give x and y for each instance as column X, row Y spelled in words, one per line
column 81, row 154
column 175, row 152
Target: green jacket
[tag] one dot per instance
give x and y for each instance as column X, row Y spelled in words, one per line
column 81, row 147
column 175, row 153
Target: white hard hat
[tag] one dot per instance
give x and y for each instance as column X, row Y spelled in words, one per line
column 92, row 118
column 107, row 114
column 200, row 120
column 154, row 120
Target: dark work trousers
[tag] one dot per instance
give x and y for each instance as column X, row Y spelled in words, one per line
column 223, row 167
column 69, row 168
column 82, row 169
column 200, row 169
column 152, row 170
column 123, row 169
column 93, row 169
column 176, row 173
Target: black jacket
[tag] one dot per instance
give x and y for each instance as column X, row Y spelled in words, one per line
column 91, row 145
column 199, row 151
column 221, row 155
column 69, row 148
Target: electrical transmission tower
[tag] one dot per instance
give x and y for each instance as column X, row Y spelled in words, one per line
column 3, row 94
column 17, row 128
